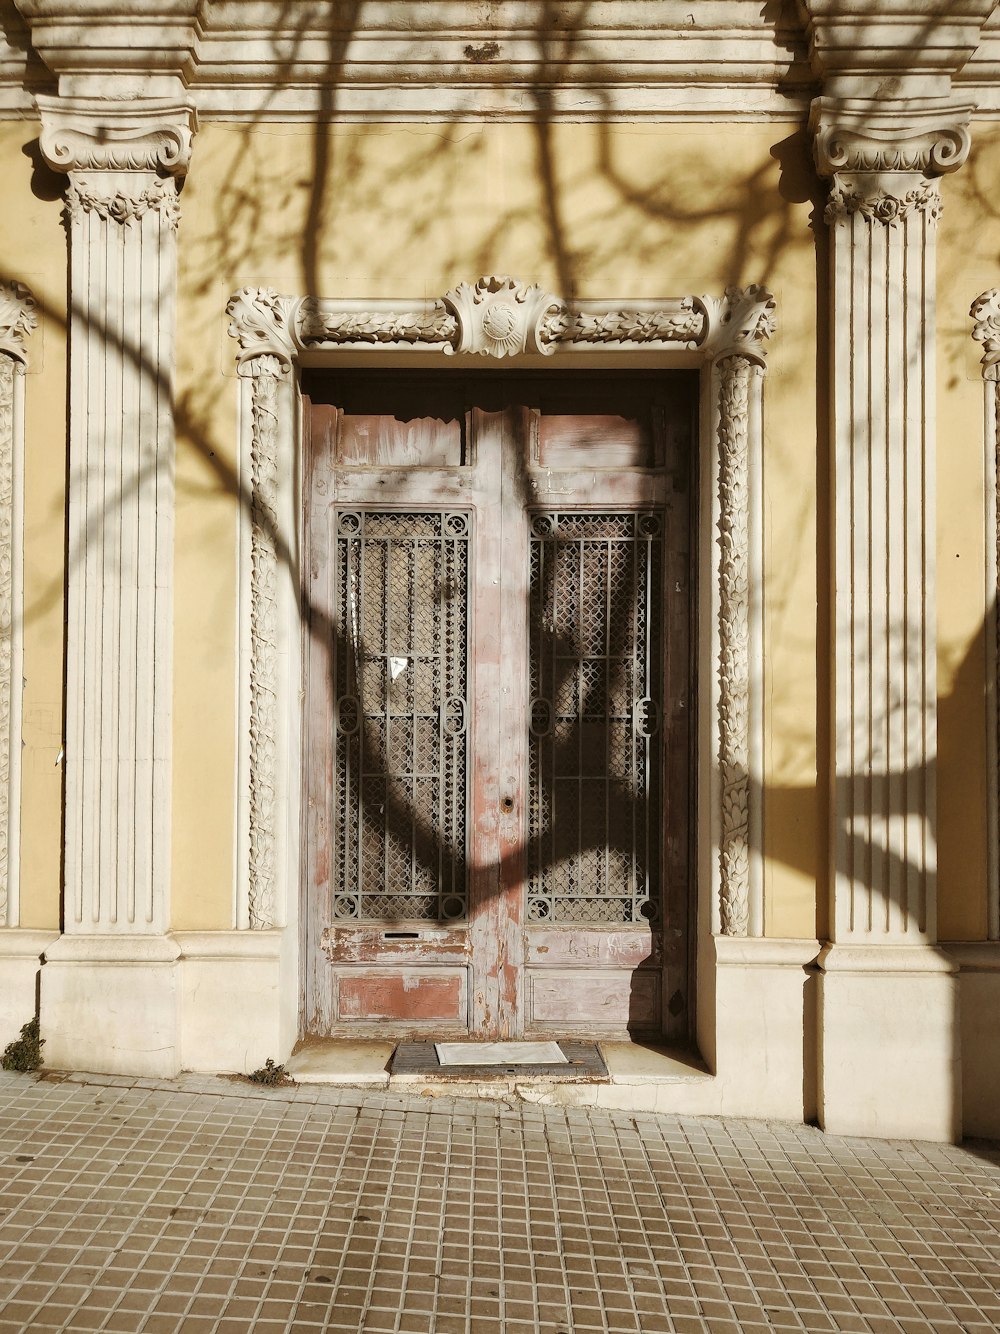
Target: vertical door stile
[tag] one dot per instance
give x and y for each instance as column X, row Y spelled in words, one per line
column 513, row 754
column 484, row 864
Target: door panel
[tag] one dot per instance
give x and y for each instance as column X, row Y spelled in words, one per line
column 497, row 732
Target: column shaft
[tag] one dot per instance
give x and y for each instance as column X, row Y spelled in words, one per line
column 884, row 665
column 120, row 563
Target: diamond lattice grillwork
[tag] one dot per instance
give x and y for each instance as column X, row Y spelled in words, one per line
column 402, row 704
column 593, row 769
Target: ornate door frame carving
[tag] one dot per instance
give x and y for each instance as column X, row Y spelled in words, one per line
column 17, row 320
column 499, row 317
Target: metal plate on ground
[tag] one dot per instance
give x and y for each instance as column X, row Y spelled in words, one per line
column 499, row 1053
column 581, row 1060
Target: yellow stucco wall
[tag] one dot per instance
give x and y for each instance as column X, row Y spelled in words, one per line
column 33, row 251
column 408, row 210
column 968, row 264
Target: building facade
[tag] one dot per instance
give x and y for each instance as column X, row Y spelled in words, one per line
column 498, row 537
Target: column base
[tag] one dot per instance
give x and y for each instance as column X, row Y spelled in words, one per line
column 21, row 953
column 229, row 999
column 889, row 1042
column 110, row 1004
column 979, row 981
column 764, row 1006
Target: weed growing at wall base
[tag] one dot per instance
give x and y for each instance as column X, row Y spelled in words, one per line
column 25, row 1052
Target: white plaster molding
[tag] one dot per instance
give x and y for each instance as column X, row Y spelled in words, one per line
column 734, row 643
column 424, row 58
column 986, row 314
column 765, row 951
column 147, row 47
column 892, row 48
column 260, row 321
column 469, row 318
column 122, row 215
column 17, row 320
column 661, row 60
column 729, row 333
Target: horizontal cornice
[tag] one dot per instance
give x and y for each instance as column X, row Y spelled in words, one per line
column 271, row 60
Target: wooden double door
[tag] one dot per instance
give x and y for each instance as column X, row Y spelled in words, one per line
column 498, row 702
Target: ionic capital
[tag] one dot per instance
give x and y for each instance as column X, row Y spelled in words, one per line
column 885, row 158
column 856, row 135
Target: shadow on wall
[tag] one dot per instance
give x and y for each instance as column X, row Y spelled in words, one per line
column 760, row 223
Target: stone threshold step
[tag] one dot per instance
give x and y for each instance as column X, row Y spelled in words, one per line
column 354, row 1062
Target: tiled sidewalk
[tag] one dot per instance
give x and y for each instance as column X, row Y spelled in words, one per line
column 201, row 1205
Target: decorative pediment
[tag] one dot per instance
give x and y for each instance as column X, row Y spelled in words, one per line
column 500, row 317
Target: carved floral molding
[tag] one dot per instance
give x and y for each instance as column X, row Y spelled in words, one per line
column 17, row 320
column 985, row 313
column 500, row 317
column 497, row 317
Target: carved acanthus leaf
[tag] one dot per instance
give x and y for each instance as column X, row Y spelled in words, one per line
column 986, row 313
column 741, row 322
column 499, row 317
column 17, row 318
column 319, row 322
column 117, row 205
column 262, row 322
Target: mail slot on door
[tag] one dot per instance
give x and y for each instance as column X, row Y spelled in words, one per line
column 378, row 944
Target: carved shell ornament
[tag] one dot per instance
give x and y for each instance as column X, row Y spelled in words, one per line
column 499, row 317
column 499, row 328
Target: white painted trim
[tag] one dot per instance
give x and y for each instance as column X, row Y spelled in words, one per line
column 765, row 952
column 228, row 944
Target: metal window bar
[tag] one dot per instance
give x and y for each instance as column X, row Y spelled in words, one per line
column 596, row 685
column 401, row 681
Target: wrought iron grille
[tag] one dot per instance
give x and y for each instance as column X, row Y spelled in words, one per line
column 402, row 708
column 595, row 678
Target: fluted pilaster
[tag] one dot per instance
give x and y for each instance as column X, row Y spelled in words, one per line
column 122, row 215
column 882, row 212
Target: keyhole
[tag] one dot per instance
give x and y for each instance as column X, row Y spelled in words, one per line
column 507, row 805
